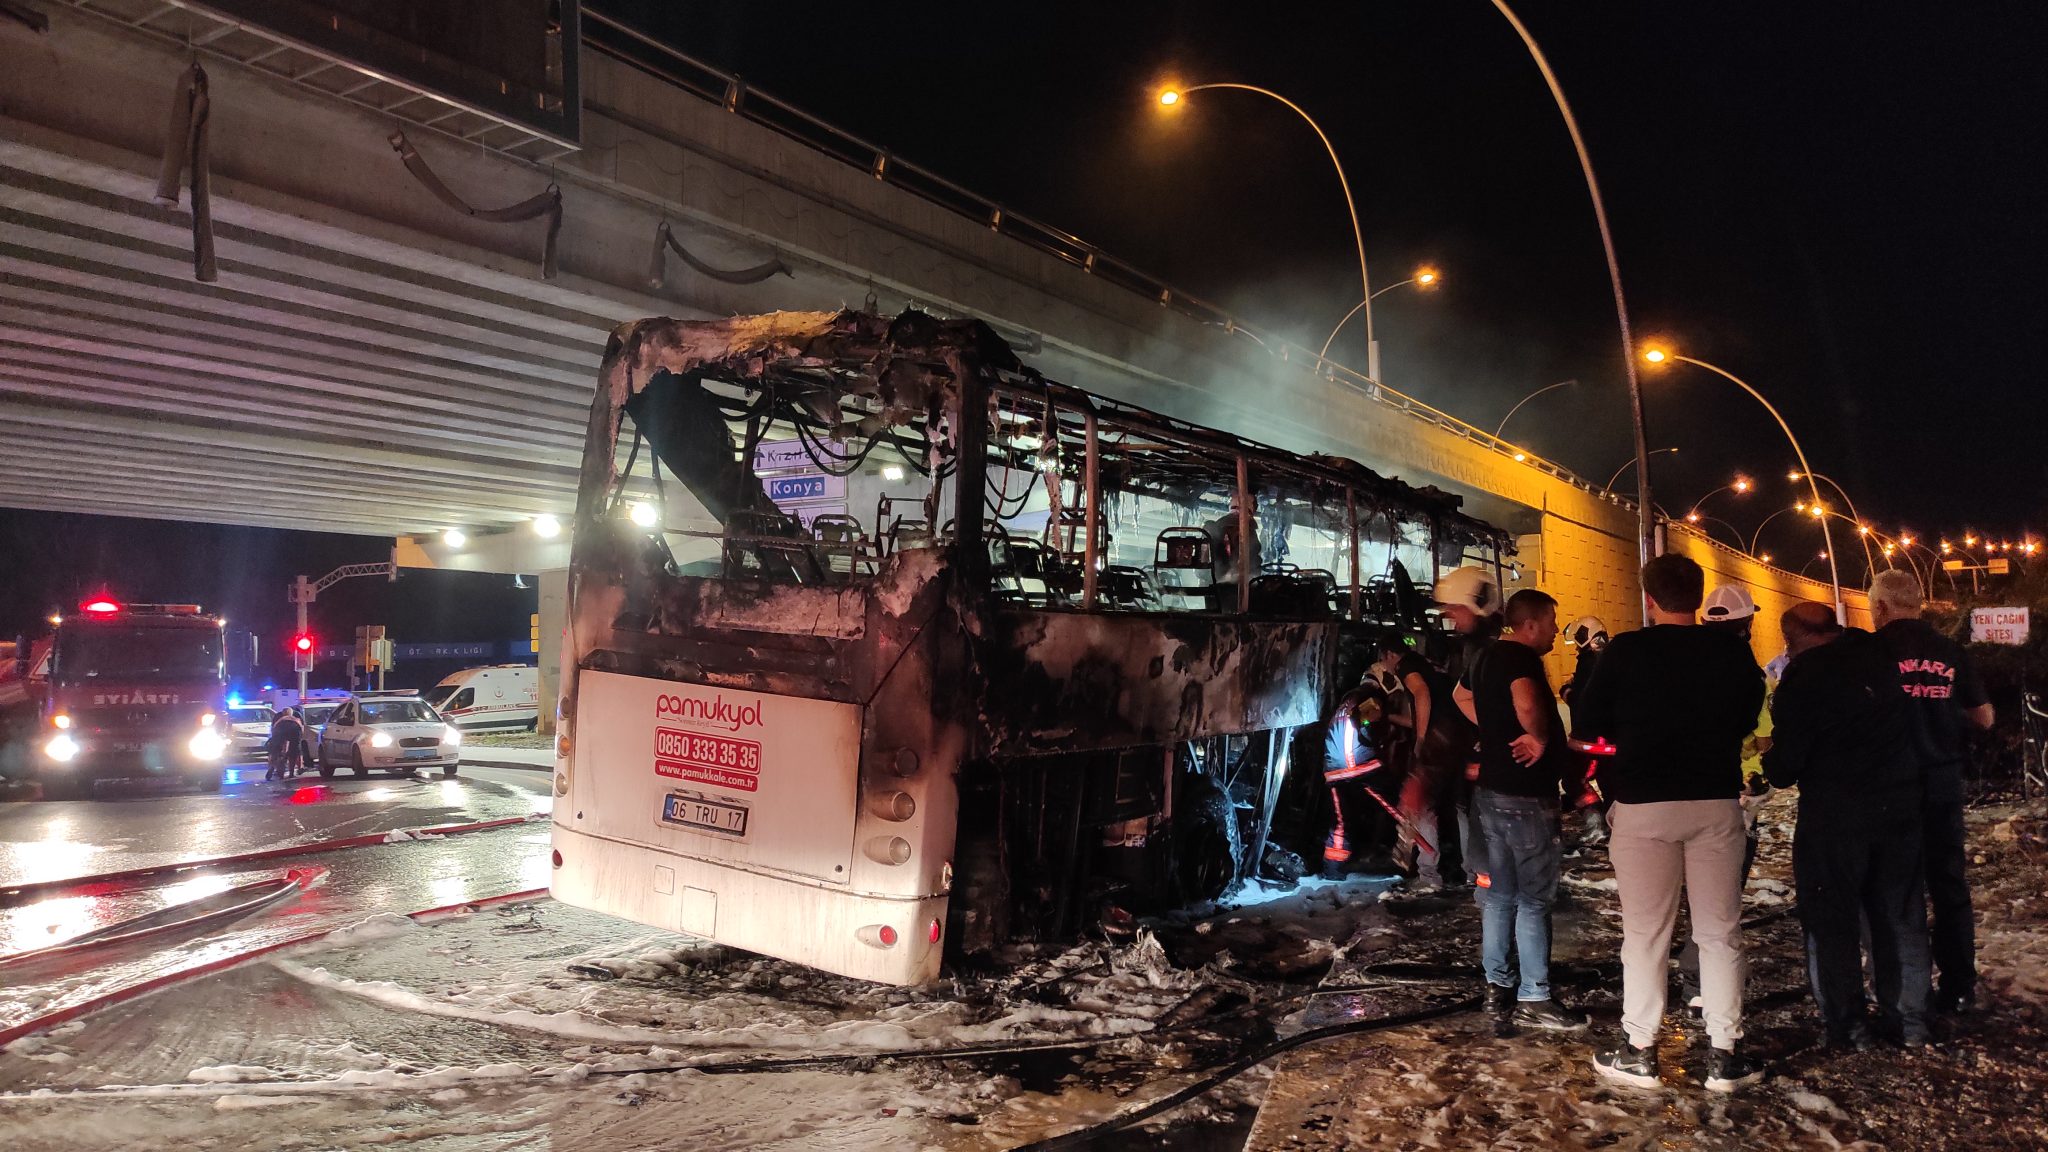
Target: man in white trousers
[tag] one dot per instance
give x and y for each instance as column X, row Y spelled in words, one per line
column 1676, row 701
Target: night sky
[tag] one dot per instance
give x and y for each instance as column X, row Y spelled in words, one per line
column 1840, row 202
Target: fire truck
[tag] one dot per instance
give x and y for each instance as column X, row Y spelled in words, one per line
column 136, row 691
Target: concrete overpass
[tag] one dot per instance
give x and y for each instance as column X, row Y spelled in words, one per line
column 370, row 361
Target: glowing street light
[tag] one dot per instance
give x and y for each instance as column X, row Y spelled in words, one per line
column 1424, row 278
column 1660, row 355
column 1174, row 96
column 1740, row 486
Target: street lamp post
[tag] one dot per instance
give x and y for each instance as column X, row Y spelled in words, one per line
column 1698, row 520
column 1632, row 463
column 1757, row 536
column 1859, row 521
column 1661, row 355
column 1524, row 400
column 1646, row 528
column 1740, row 484
column 1423, row 278
column 1174, row 96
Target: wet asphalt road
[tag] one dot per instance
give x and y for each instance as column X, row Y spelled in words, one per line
column 62, row 839
column 135, row 828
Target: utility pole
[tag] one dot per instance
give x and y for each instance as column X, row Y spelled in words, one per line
column 303, row 592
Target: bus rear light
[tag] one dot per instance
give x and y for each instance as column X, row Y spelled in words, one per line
column 877, row 936
column 888, row 850
column 905, row 762
column 932, row 933
column 896, row 806
column 558, row 857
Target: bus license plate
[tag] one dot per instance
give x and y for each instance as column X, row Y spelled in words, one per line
column 691, row 812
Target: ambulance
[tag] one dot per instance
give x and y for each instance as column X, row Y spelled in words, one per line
column 499, row 698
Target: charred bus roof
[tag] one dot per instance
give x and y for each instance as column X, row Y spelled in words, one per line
column 839, row 376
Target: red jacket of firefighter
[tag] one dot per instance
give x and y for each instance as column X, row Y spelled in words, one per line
column 1348, row 758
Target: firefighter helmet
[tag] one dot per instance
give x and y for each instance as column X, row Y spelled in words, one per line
column 1588, row 633
column 1470, row 587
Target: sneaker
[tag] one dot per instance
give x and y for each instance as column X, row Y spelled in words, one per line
column 1500, row 1000
column 1548, row 1015
column 1627, row 1064
column 1727, row 1070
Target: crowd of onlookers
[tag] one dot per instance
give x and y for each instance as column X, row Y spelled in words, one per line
column 1457, row 771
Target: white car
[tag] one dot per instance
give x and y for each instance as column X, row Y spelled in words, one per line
column 388, row 732
column 248, row 732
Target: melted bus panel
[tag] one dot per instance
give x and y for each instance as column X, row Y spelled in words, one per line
column 1062, row 657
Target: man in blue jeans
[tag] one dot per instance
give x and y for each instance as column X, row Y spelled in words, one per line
column 1522, row 765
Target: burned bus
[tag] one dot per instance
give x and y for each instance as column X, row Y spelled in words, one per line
column 881, row 644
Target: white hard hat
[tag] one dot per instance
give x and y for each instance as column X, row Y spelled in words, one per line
column 1728, row 603
column 1472, row 587
column 1588, row 632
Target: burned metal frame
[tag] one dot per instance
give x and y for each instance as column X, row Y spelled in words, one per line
column 982, row 686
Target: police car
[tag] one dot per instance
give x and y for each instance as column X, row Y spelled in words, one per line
column 387, row 732
column 248, row 730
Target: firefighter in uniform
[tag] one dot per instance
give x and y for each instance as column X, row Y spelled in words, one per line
column 1349, row 762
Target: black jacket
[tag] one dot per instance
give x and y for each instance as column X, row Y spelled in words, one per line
column 1676, row 702
column 1840, row 729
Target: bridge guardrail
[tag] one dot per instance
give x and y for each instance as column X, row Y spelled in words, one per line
column 614, row 38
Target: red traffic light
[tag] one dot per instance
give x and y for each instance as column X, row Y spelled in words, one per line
column 302, row 643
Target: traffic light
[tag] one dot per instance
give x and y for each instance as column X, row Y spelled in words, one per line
column 302, row 652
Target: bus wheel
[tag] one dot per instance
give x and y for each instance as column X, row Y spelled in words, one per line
column 1206, row 847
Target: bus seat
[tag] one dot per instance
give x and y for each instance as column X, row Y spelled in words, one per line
column 1127, row 587
column 1184, row 549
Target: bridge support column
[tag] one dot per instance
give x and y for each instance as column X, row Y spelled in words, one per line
column 554, row 617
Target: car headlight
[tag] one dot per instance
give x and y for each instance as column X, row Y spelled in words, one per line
column 207, row 744
column 380, row 739
column 61, row 748
column 452, row 736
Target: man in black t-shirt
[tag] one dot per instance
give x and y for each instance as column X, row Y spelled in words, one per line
column 1944, row 697
column 1522, row 765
